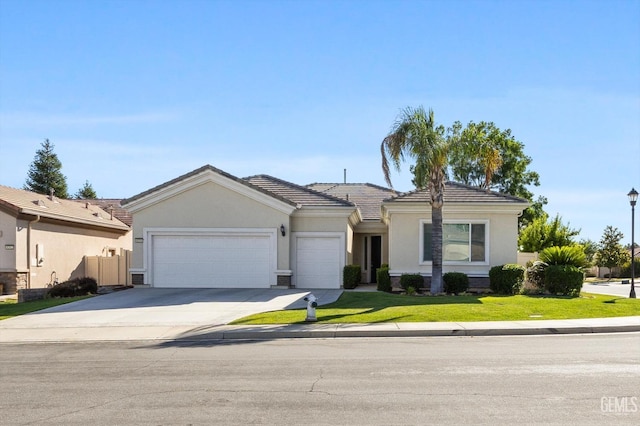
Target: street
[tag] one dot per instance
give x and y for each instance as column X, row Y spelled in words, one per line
column 571, row 379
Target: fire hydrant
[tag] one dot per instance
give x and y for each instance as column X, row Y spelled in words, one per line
column 312, row 304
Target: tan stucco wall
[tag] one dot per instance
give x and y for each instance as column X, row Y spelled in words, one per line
column 8, row 227
column 64, row 248
column 301, row 222
column 404, row 234
column 210, row 206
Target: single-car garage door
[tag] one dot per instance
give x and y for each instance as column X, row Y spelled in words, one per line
column 214, row 261
column 318, row 262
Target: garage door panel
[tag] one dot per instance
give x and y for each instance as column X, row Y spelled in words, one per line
column 217, row 261
column 318, row 262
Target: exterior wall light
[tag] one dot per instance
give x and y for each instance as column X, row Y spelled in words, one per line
column 282, row 230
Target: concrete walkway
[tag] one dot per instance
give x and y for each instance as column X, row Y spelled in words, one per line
column 199, row 315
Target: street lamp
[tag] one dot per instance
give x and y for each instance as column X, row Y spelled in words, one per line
column 633, row 197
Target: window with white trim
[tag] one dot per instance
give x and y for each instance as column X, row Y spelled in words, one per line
column 462, row 242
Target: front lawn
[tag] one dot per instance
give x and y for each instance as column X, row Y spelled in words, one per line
column 10, row 308
column 375, row 307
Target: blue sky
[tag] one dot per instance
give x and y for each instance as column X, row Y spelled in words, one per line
column 134, row 93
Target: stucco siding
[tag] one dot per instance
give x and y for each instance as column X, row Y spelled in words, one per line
column 8, row 229
column 210, row 206
column 405, row 241
column 62, row 249
column 318, row 224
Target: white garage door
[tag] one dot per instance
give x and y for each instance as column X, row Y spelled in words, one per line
column 318, row 262
column 214, row 261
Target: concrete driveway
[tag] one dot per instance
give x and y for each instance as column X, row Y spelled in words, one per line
column 158, row 308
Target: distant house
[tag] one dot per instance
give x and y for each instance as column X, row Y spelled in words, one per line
column 208, row 228
column 44, row 239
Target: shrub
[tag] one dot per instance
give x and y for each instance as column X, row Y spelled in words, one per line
column 351, row 276
column 565, row 255
column 455, row 282
column 563, row 279
column 535, row 274
column 74, row 287
column 411, row 280
column 383, row 279
column 506, row 279
column 626, row 268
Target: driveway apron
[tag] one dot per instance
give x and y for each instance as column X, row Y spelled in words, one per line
column 152, row 307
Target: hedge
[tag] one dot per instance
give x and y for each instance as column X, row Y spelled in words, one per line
column 411, row 280
column 455, row 282
column 74, row 287
column 383, row 278
column 563, row 279
column 351, row 276
column 506, row 279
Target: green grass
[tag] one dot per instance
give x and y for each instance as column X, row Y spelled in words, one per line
column 377, row 307
column 10, row 308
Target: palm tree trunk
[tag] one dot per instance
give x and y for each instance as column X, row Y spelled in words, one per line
column 436, row 267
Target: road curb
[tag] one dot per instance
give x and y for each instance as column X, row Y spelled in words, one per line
column 185, row 333
column 339, row 333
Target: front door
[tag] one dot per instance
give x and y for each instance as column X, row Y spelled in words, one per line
column 373, row 256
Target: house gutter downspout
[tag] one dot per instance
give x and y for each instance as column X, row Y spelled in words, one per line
column 37, row 219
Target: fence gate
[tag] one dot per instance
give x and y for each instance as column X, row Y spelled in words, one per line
column 112, row 270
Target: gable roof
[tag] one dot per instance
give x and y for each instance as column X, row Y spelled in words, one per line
column 197, row 177
column 366, row 196
column 21, row 203
column 276, row 190
column 458, row 193
column 300, row 195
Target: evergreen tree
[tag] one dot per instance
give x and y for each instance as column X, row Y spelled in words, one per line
column 86, row 192
column 611, row 253
column 45, row 173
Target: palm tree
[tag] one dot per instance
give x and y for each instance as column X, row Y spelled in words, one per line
column 415, row 135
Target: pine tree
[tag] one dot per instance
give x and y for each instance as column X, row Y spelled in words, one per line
column 45, row 173
column 86, row 192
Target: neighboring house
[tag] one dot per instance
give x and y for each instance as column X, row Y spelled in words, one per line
column 44, row 239
column 480, row 230
column 208, row 228
column 112, row 207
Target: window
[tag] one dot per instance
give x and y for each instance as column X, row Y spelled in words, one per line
column 461, row 242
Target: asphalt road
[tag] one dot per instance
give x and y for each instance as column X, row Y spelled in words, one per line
column 614, row 288
column 576, row 379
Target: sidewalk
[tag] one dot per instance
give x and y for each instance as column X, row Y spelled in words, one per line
column 319, row 331
column 108, row 319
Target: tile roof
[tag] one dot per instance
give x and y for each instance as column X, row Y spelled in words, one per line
column 109, row 205
column 458, row 193
column 21, row 202
column 298, row 194
column 366, row 196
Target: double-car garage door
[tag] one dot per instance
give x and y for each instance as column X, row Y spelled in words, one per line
column 213, row 261
column 242, row 260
